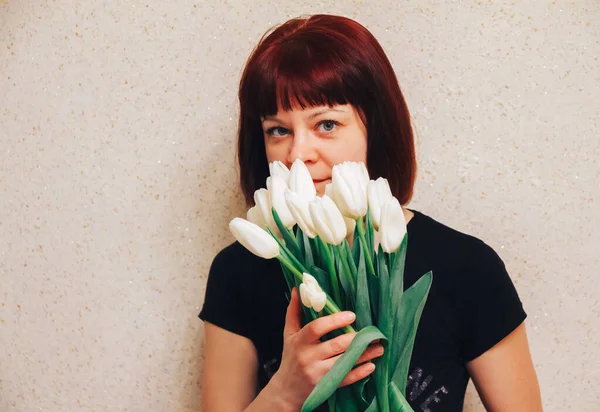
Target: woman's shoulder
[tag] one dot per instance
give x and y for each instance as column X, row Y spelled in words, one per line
column 235, row 258
column 433, row 237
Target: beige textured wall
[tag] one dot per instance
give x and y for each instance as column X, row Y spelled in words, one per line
column 117, row 123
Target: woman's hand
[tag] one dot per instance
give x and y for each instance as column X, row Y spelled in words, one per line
column 306, row 359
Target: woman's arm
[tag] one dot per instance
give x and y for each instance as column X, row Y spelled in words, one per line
column 505, row 377
column 230, row 371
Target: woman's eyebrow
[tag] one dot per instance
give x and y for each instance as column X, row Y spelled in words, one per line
column 320, row 112
column 310, row 117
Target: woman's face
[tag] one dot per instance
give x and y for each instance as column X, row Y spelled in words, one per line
column 321, row 136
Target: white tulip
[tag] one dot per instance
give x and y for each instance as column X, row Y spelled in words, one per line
column 349, row 189
column 327, row 220
column 393, row 225
column 276, row 186
column 253, row 238
column 263, row 203
column 364, row 173
column 311, row 294
column 255, row 216
column 298, row 206
column 300, row 180
column 350, row 223
column 277, row 168
column 378, row 193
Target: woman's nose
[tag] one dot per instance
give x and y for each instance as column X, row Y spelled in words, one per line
column 303, row 148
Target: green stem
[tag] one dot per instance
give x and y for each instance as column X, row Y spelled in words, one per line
column 363, row 240
column 335, row 285
column 347, row 272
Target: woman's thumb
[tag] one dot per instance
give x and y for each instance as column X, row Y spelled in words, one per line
column 293, row 317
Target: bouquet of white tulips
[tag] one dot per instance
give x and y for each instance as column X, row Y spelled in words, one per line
column 309, row 235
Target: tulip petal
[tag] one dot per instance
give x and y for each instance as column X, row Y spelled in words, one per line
column 328, row 220
column 349, row 189
column 277, row 168
column 263, row 202
column 378, row 193
column 254, row 238
column 319, row 301
column 393, row 225
column 300, row 180
column 276, row 186
column 299, row 209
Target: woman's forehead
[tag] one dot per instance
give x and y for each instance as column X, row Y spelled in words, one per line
column 311, row 111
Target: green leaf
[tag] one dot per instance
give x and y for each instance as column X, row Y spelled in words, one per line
column 397, row 271
column 370, row 233
column 363, row 303
column 346, row 400
column 308, row 249
column 331, row 402
column 350, row 258
column 384, row 323
column 332, row 379
column 373, row 407
column 355, row 247
column 300, row 243
column 408, row 316
column 373, row 282
column 347, row 296
column 359, row 389
column 288, row 236
column 397, row 261
column 398, row 402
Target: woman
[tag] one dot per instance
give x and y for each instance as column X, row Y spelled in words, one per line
column 322, row 90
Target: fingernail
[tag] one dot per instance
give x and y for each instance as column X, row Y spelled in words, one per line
column 371, row 367
column 379, row 351
column 349, row 316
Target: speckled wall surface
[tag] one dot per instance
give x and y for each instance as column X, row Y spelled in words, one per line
column 117, row 123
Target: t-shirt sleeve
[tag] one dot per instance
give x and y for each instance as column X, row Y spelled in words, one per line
column 492, row 308
column 224, row 301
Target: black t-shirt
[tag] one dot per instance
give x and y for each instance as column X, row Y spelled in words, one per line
column 472, row 305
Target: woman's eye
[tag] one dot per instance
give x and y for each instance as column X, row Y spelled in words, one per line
column 277, row 131
column 328, row 125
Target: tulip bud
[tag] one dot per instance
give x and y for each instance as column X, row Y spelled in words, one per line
column 300, row 180
column 299, row 209
column 393, row 225
column 349, row 189
column 379, row 193
column 276, row 186
column 263, row 203
column 253, row 238
column 277, row 168
column 311, row 294
column 327, row 220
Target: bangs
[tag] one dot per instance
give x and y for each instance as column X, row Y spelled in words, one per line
column 300, row 76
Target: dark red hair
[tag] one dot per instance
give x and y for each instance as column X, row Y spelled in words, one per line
column 326, row 60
